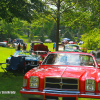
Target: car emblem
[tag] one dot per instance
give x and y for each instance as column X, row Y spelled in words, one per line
column 61, row 83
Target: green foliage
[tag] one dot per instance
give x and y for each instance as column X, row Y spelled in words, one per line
column 91, row 39
column 22, row 9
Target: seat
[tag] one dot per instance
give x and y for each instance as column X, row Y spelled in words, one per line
column 13, row 65
column 21, row 66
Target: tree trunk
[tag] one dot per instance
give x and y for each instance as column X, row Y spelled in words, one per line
column 58, row 20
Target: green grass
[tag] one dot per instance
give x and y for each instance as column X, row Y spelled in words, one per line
column 15, row 83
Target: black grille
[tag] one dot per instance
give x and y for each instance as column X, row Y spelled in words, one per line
column 31, row 62
column 61, row 83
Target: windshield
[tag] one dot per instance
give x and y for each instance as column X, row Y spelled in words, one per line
column 69, row 59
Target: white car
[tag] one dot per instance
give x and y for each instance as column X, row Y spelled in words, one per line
column 48, row 41
column 3, row 44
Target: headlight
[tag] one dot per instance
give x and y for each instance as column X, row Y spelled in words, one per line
column 24, row 82
column 90, row 85
column 34, row 82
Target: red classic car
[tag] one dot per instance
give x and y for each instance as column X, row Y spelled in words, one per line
column 39, row 49
column 63, row 76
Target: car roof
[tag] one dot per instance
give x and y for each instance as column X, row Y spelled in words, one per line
column 72, row 44
column 37, row 42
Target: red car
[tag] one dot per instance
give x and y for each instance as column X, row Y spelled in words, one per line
column 71, row 42
column 63, row 76
column 41, row 50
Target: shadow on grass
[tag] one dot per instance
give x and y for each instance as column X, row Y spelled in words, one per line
column 10, row 74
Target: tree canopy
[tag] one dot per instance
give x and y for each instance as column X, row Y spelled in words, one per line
column 22, row 9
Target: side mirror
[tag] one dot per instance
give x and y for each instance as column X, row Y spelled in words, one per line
column 40, row 62
column 99, row 66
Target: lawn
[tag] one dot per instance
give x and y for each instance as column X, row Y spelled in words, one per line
column 12, row 85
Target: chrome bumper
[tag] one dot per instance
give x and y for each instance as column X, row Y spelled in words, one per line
column 32, row 93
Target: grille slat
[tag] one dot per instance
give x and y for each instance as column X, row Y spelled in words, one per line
column 61, row 83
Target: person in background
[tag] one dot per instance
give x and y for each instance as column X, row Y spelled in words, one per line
column 16, row 46
column 19, row 46
column 54, row 45
column 24, row 46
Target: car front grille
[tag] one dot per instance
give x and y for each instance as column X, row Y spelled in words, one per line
column 69, row 84
column 31, row 62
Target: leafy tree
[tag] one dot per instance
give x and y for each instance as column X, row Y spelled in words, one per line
column 89, row 41
column 22, row 9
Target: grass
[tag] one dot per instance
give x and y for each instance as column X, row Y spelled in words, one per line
column 11, row 83
column 15, row 83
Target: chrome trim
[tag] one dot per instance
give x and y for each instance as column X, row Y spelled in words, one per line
column 30, row 90
column 60, row 92
column 31, row 95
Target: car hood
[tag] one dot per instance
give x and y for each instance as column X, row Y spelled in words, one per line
column 40, row 47
column 31, row 58
column 63, row 71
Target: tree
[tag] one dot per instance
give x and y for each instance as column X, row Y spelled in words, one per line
column 62, row 6
column 22, row 9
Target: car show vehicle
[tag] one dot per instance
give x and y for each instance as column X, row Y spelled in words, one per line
column 34, row 43
column 71, row 42
column 63, row 76
column 3, row 44
column 40, row 49
column 48, row 41
column 31, row 61
column 72, row 47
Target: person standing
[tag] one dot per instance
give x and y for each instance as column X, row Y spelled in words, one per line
column 54, row 45
column 24, row 46
column 19, row 46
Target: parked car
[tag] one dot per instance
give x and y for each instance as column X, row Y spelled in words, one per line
column 63, row 76
column 71, row 42
column 97, row 55
column 31, row 61
column 81, row 42
column 17, row 41
column 40, row 49
column 34, row 43
column 48, row 41
column 3, row 44
column 72, row 47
